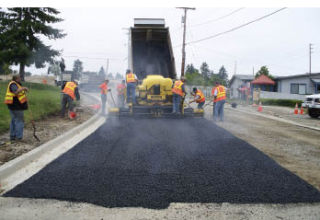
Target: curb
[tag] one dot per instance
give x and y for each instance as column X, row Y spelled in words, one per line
column 10, row 167
column 277, row 119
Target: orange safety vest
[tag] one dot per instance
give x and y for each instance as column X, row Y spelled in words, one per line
column 201, row 96
column 104, row 88
column 130, row 78
column 120, row 89
column 177, row 88
column 69, row 89
column 221, row 95
column 10, row 95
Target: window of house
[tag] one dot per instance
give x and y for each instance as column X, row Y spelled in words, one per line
column 298, row 88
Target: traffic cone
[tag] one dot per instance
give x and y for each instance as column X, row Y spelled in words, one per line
column 72, row 115
column 260, row 107
column 301, row 111
column 296, row 109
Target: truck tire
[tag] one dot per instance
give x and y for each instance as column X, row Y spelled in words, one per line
column 313, row 113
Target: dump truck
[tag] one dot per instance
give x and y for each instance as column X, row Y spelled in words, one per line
column 151, row 59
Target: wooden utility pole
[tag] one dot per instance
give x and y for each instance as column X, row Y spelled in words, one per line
column 184, row 37
column 310, row 52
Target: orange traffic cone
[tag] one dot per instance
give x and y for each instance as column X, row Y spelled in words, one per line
column 72, row 115
column 301, row 111
column 260, row 107
column 296, row 109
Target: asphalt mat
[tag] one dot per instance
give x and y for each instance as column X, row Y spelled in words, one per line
column 151, row 163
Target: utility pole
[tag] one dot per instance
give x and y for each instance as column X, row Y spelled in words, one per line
column 310, row 52
column 184, row 37
column 235, row 67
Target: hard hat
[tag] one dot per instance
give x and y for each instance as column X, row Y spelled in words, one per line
column 76, row 81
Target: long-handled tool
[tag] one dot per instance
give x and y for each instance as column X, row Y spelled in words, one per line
column 32, row 123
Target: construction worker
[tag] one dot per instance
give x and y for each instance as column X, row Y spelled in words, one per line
column 219, row 98
column 70, row 92
column 198, row 97
column 16, row 101
column 131, row 80
column 121, row 87
column 178, row 92
column 104, row 91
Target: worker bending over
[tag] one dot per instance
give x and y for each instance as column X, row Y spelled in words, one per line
column 16, row 101
column 219, row 98
column 104, row 91
column 198, row 97
column 121, row 87
column 70, row 92
column 178, row 92
column 131, row 80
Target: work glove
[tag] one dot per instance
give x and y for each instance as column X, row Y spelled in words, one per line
column 109, row 90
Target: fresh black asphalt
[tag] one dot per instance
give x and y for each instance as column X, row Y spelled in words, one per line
column 151, row 163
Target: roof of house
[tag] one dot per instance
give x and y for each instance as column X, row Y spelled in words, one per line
column 263, row 80
column 241, row 77
column 297, row 76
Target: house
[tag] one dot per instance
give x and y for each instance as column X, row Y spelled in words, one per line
column 237, row 82
column 301, row 84
column 264, row 83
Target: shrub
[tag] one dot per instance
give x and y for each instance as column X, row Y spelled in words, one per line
column 281, row 102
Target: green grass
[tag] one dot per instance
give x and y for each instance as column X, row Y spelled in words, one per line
column 43, row 100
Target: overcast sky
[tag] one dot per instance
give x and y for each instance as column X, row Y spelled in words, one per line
column 281, row 41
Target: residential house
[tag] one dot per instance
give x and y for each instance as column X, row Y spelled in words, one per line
column 237, row 82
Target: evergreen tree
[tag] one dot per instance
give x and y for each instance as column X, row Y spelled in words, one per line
column 20, row 36
column 119, row 76
column 205, row 71
column 223, row 75
column 110, row 76
column 77, row 69
column 102, row 73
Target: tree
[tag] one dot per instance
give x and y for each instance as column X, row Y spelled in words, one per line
column 264, row 71
column 5, row 69
column 20, row 36
column 190, row 69
column 102, row 73
column 205, row 71
column 119, row 76
column 77, row 69
column 223, row 75
column 110, row 76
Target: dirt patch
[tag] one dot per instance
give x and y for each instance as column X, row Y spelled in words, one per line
column 46, row 129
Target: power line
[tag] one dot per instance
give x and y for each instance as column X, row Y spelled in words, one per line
column 236, row 28
column 217, row 19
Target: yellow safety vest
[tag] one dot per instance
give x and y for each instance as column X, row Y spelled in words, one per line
column 130, row 78
column 221, row 95
column 201, row 96
column 177, row 88
column 10, row 95
column 69, row 89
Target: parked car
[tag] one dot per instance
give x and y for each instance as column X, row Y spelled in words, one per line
column 312, row 103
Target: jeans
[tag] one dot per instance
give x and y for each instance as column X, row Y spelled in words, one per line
column 131, row 92
column 176, row 99
column 66, row 100
column 218, row 110
column 103, row 102
column 17, row 124
column 200, row 105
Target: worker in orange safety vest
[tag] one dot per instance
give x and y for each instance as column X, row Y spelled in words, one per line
column 131, row 80
column 121, row 87
column 198, row 97
column 178, row 92
column 219, row 99
column 70, row 92
column 104, row 91
column 16, row 100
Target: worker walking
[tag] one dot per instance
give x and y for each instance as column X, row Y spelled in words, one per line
column 70, row 92
column 198, row 97
column 131, row 80
column 219, row 95
column 178, row 91
column 104, row 91
column 16, row 101
column 121, row 87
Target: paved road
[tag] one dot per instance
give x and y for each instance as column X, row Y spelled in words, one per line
column 151, row 163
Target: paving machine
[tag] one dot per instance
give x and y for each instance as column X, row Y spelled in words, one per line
column 151, row 59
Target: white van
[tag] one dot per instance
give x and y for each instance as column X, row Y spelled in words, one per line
column 312, row 103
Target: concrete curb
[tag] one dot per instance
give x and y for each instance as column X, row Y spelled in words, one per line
column 10, row 167
column 276, row 119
